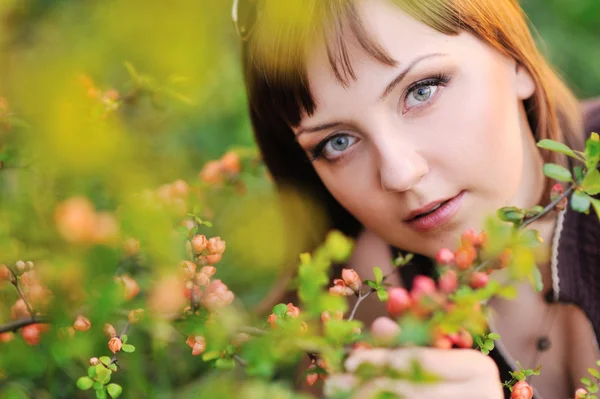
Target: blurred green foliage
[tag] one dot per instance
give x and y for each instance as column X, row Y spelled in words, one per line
column 184, row 104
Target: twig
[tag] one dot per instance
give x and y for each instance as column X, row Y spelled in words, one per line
column 20, row 323
column 15, row 283
column 549, row 207
column 362, row 297
column 123, row 332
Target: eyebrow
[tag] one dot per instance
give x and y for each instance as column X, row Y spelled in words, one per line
column 388, row 89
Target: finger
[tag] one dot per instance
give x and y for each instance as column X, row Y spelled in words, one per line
column 449, row 365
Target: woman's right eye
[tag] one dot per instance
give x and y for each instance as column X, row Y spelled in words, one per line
column 332, row 148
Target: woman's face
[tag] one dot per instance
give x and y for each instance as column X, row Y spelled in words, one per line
column 445, row 125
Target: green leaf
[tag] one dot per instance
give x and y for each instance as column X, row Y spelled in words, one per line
column 91, row 371
column 85, row 383
column 101, row 393
column 578, row 171
column 98, row 385
column 586, row 381
column 596, row 205
column 595, row 373
column 479, row 341
column 556, row 146
column 536, row 280
column 510, row 214
column 591, row 182
column 557, row 172
column 592, row 152
column 280, row 310
column 580, row 202
column 114, row 390
column 371, row 284
column 128, row 348
column 212, row 355
column 378, row 275
column 488, row 344
column 225, row 364
column 105, row 360
column 382, row 294
column 124, row 338
column 494, row 336
column 593, row 388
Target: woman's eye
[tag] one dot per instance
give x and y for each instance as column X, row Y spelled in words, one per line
column 332, row 148
column 420, row 95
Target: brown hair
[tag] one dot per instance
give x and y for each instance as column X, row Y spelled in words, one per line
column 279, row 94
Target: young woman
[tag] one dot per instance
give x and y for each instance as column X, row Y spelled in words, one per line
column 411, row 120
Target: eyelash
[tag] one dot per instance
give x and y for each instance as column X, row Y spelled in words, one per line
column 441, row 79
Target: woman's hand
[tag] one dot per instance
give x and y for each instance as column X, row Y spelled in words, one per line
column 462, row 373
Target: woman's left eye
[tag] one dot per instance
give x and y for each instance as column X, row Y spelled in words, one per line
column 423, row 91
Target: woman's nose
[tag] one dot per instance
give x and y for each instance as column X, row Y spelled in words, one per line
column 401, row 169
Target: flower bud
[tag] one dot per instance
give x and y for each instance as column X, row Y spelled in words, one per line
column 352, row 279
column 199, row 243
column 442, row 342
column 293, row 311
column 115, row 344
column 422, row 286
column 82, row 323
column 444, row 257
column 521, row 390
column 197, row 343
column 465, row 257
column 580, row 393
column 462, row 339
column 468, row 238
column 448, row 281
column 556, row 191
column 208, row 270
column 398, row 301
column 211, row 173
column 481, row 240
column 179, row 188
column 312, row 376
column 340, row 289
column 188, row 268
column 21, row 267
column 19, row 309
column 217, row 296
column 31, row 334
column 5, row 273
column 130, row 285
column 109, row 331
column 216, row 246
column 94, row 361
column 209, row 259
column 76, row 220
column 385, row 330
column 479, row 280
column 230, row 162
column 326, row 316
column 135, row 316
column 272, row 320
column 6, row 337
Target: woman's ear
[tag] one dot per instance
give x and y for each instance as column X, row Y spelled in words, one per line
column 525, row 84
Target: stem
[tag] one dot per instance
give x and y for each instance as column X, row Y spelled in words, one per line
column 362, row 297
column 549, row 207
column 252, row 331
column 123, row 332
column 19, row 323
column 15, row 283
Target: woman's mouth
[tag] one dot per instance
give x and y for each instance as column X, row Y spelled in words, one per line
column 437, row 215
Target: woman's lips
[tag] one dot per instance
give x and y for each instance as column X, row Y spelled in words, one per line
column 439, row 217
